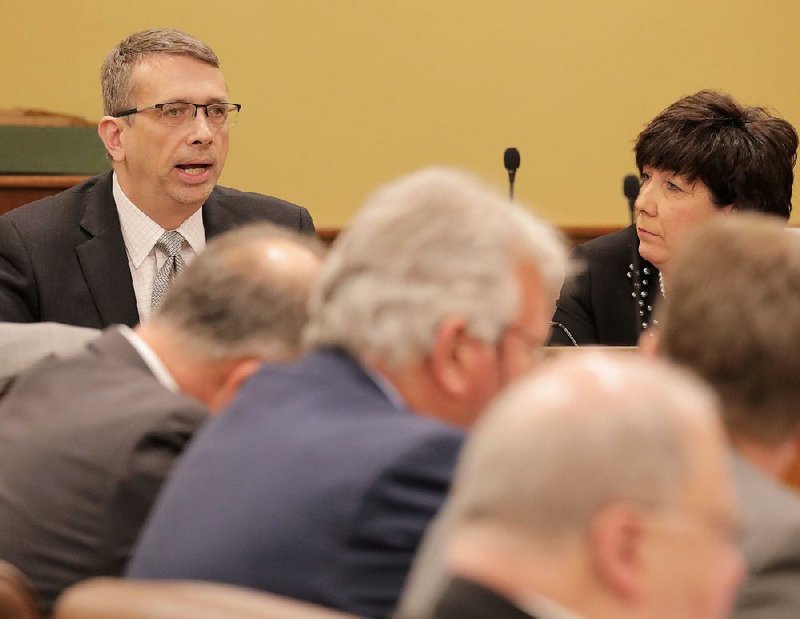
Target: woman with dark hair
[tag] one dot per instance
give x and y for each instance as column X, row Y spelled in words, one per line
column 702, row 157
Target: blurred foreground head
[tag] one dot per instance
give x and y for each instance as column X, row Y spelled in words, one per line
column 730, row 314
column 600, row 484
column 443, row 286
column 241, row 302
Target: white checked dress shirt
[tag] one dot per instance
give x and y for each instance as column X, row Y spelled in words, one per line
column 140, row 234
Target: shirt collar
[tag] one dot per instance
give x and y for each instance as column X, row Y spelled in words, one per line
column 388, row 389
column 141, row 233
column 150, row 359
column 541, row 606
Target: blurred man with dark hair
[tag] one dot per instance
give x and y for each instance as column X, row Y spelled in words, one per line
column 731, row 314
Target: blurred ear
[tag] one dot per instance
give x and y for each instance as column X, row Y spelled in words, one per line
column 233, row 380
column 616, row 539
column 110, row 131
column 453, row 356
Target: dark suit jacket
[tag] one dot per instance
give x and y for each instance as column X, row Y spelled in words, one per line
column 85, row 444
column 63, row 258
column 464, row 599
column 596, row 304
column 313, row 485
column 770, row 544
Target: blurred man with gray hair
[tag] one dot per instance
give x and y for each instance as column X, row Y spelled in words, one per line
column 320, row 480
column 611, row 501
column 731, row 313
column 86, row 442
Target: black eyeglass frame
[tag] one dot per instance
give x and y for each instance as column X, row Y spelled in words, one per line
column 160, row 107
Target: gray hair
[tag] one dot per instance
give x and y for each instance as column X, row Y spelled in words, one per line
column 234, row 300
column 433, row 244
column 548, row 455
column 116, row 74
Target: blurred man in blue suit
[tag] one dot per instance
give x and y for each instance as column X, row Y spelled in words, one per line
column 321, row 478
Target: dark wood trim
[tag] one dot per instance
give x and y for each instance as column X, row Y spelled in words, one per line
column 581, row 234
column 575, row 234
column 44, row 181
column 16, row 190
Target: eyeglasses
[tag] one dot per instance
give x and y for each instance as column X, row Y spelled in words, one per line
column 179, row 113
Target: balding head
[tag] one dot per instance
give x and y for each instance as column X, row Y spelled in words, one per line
column 566, row 474
column 245, row 295
column 547, row 430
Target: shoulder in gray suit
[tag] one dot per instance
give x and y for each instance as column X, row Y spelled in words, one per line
column 24, row 345
column 87, row 441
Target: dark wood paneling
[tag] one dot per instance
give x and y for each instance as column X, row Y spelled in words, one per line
column 18, row 190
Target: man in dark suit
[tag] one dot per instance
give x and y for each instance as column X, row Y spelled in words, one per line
column 733, row 322
column 86, row 442
column 321, row 478
column 610, row 501
column 93, row 255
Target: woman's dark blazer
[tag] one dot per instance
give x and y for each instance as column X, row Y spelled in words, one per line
column 597, row 305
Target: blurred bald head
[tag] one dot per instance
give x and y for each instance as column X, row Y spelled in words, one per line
column 567, row 486
column 245, row 295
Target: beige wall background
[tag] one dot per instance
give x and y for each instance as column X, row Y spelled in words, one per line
column 341, row 95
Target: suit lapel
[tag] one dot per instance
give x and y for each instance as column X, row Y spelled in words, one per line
column 216, row 218
column 103, row 258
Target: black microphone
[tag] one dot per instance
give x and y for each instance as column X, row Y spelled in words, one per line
column 511, row 163
column 630, row 187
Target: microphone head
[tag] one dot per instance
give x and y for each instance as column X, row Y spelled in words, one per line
column 630, row 187
column 511, row 159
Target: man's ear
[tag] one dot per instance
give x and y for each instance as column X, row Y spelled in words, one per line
column 233, row 380
column 110, row 131
column 452, row 355
column 615, row 540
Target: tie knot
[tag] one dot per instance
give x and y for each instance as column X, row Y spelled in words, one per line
column 170, row 243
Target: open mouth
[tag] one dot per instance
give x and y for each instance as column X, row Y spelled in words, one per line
column 193, row 169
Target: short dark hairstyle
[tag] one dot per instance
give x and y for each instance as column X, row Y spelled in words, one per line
column 744, row 155
column 730, row 314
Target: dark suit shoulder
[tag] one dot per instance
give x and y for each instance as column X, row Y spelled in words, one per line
column 48, row 215
column 619, row 243
column 241, row 207
column 770, row 544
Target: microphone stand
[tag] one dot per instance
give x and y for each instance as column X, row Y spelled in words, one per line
column 631, row 193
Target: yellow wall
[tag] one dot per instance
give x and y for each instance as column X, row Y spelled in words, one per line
column 340, row 95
